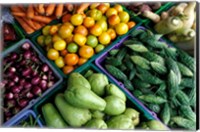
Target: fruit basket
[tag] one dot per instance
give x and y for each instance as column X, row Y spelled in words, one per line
column 146, row 74
column 14, row 59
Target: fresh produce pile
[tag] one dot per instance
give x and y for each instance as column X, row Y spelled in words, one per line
column 90, row 101
column 35, row 16
column 80, row 35
column 25, row 78
column 145, row 9
column 162, row 77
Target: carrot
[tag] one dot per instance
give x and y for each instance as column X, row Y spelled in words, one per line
column 50, row 9
column 59, row 10
column 42, row 19
column 20, row 14
column 29, row 22
column 66, row 18
column 82, row 8
column 69, row 7
column 30, row 12
column 37, row 25
column 22, row 8
column 42, row 24
column 40, row 9
column 15, row 8
column 25, row 26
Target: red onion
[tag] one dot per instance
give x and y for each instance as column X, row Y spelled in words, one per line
column 16, row 96
column 15, row 79
column 44, row 77
column 23, row 102
column 10, row 84
column 43, row 84
column 12, row 69
column 50, row 84
column 14, row 56
column 10, row 103
column 27, row 85
column 9, row 95
column 35, row 80
column 27, row 54
column 45, row 68
column 26, row 46
column 37, row 91
column 29, row 95
column 22, row 82
column 16, row 89
column 16, row 110
column 35, row 59
column 27, row 72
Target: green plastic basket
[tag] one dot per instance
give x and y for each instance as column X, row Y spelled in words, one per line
column 144, row 115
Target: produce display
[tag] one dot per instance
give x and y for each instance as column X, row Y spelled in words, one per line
column 90, row 101
column 162, row 77
column 99, row 65
column 84, row 33
column 25, row 77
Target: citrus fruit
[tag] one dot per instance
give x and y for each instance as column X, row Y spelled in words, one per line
column 69, row 39
column 124, row 16
column 86, row 51
column 69, row 25
column 88, row 22
column 121, row 28
column 112, row 33
column 45, row 30
column 76, row 19
column 96, row 30
column 99, row 48
column 66, row 18
column 104, row 38
column 103, row 24
column 67, row 69
column 79, row 39
column 113, row 20
column 94, row 5
column 131, row 24
column 41, row 40
column 103, row 8
column 95, row 14
column 63, row 52
column 111, row 11
column 52, row 54
column 60, row 62
column 53, row 29
column 71, row 59
column 81, row 61
column 56, row 37
column 48, row 40
column 72, row 47
column 118, row 7
column 92, row 41
column 81, row 30
column 59, row 45
column 64, row 31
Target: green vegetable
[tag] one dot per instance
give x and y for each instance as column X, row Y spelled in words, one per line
column 98, row 81
column 137, row 48
column 140, row 61
column 96, row 124
column 51, row 116
column 172, row 84
column 113, row 52
column 132, row 74
column 133, row 114
column 151, row 56
column 76, row 79
column 128, row 62
column 134, row 33
column 152, row 99
column 156, row 125
column 114, row 105
column 165, row 114
column 120, row 122
column 156, row 44
column 184, row 70
column 187, row 82
column 123, row 67
column 140, row 84
column 97, row 114
column 128, row 84
column 187, row 112
column 182, row 97
column 121, row 54
column 116, row 72
column 171, row 52
column 159, row 68
column 183, row 122
column 74, row 116
column 88, row 73
column 113, row 61
column 154, row 107
column 137, row 93
column 84, row 98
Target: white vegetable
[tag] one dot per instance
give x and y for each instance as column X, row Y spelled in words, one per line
column 179, row 9
column 153, row 16
column 164, row 15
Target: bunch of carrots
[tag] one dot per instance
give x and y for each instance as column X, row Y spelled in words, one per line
column 35, row 16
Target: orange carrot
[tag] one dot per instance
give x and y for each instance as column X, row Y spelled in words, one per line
column 59, row 10
column 30, row 12
column 25, row 26
column 42, row 19
column 29, row 22
column 66, row 18
column 20, row 14
column 40, row 9
column 69, row 7
column 15, row 8
column 22, row 8
column 37, row 25
column 82, row 8
column 50, row 9
column 42, row 24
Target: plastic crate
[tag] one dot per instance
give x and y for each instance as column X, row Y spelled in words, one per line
column 44, row 60
column 19, row 36
column 143, row 19
column 145, row 114
column 25, row 117
column 34, row 40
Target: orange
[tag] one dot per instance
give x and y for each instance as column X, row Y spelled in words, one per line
column 69, row 39
column 104, row 38
column 111, row 11
column 52, row 54
column 86, row 51
column 118, row 7
column 79, row 39
column 81, row 61
column 66, row 18
column 94, row 5
column 67, row 69
column 56, row 37
column 121, row 28
column 113, row 20
column 81, row 30
column 71, row 59
column 59, row 45
column 76, row 19
column 103, row 24
column 88, row 22
column 63, row 52
column 53, row 30
column 60, row 62
column 64, row 32
column 131, row 24
column 96, row 30
column 112, row 33
column 69, row 25
column 124, row 16
column 103, row 8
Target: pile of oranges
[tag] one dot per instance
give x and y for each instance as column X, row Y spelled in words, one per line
column 71, row 43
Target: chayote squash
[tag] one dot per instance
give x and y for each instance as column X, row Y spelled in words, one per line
column 98, row 114
column 133, row 114
column 96, row 123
